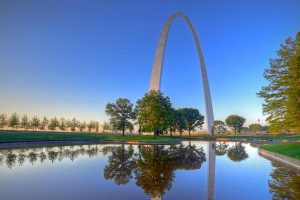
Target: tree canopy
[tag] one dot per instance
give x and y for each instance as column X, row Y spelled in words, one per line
column 282, row 94
column 192, row 118
column 121, row 113
column 235, row 122
column 155, row 112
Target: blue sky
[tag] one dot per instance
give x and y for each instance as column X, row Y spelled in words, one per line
column 69, row 58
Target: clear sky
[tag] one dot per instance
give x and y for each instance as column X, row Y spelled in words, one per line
column 69, row 58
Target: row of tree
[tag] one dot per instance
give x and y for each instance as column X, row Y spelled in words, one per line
column 153, row 113
column 235, row 123
column 282, row 94
column 14, row 121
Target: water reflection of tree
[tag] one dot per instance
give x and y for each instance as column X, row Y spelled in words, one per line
column 153, row 165
column 154, row 171
column 187, row 157
column 120, row 165
column 285, row 183
column 237, row 152
column 221, row 148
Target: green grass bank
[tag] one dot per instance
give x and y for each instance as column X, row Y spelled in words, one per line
column 290, row 149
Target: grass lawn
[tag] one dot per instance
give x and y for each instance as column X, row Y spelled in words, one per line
column 290, row 149
column 26, row 136
column 22, row 136
column 261, row 137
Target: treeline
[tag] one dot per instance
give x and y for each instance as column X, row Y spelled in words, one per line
column 282, row 94
column 15, row 121
column 154, row 113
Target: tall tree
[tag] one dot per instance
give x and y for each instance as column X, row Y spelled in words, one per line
column 121, row 113
column 25, row 122
column 44, row 123
column 155, row 112
column 219, row 127
column 35, row 122
column 235, row 122
column 293, row 90
column 192, row 118
column 3, row 120
column 13, row 121
column 282, row 95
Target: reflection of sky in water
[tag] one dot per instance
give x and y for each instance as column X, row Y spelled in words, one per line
column 83, row 178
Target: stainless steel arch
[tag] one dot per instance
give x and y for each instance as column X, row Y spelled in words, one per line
column 158, row 64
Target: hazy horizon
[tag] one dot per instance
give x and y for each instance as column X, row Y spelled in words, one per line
column 68, row 59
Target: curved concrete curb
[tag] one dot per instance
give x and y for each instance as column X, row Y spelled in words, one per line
column 294, row 163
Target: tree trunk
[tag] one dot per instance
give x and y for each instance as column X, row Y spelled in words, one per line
column 123, row 131
column 154, row 134
column 189, row 133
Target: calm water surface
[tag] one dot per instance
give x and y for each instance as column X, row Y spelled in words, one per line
column 193, row 170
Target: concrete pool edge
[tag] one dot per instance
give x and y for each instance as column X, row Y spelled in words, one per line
column 294, row 163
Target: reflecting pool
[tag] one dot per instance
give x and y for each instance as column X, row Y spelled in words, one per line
column 191, row 170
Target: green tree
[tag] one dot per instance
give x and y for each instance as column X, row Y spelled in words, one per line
column 137, row 111
column 192, row 118
column 3, row 120
column 293, row 90
column 177, row 121
column 121, row 113
column 155, row 112
column 35, row 122
column 255, row 127
column 235, row 122
column 25, row 122
column 106, row 126
column 44, row 123
column 282, row 95
column 73, row 124
column 219, row 127
column 82, row 126
column 13, row 121
column 62, row 124
column 53, row 123
column 91, row 126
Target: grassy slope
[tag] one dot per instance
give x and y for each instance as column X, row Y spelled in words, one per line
column 21, row 136
column 291, row 149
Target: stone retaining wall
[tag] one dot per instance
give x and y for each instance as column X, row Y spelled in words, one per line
column 279, row 158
